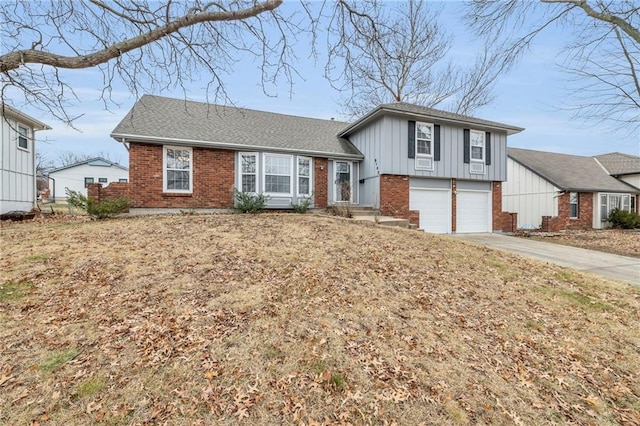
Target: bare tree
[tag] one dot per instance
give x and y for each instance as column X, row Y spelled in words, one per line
column 67, row 158
column 148, row 45
column 398, row 53
column 602, row 57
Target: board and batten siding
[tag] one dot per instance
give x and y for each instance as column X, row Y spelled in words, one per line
column 385, row 144
column 631, row 180
column 17, row 175
column 529, row 195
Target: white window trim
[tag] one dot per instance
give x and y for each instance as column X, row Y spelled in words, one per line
column 18, row 136
column 264, row 175
column 298, row 176
column 608, row 196
column 484, row 147
column 257, row 173
column 335, row 186
column 577, row 203
column 164, row 170
column 420, row 155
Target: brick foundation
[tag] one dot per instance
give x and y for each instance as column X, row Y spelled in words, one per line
column 564, row 221
column 502, row 221
column 321, row 182
column 213, row 179
column 394, row 198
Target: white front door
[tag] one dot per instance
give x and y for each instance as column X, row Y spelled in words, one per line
column 343, row 181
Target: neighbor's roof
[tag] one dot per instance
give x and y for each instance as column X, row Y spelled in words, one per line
column 569, row 172
column 425, row 113
column 156, row 119
column 9, row 111
column 96, row 161
column 618, row 164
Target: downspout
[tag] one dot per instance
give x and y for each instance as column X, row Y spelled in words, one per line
column 35, row 173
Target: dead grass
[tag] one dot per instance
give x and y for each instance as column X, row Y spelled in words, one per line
column 616, row 241
column 281, row 318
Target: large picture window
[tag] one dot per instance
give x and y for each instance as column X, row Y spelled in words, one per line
column 248, row 172
column 277, row 174
column 304, row 176
column 178, row 169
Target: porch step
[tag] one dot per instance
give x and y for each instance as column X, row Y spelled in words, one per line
column 385, row 221
column 355, row 211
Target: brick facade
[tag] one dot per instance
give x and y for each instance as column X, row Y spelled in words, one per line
column 321, row 182
column 213, row 179
column 394, row 198
column 502, row 221
column 564, row 220
column 112, row 191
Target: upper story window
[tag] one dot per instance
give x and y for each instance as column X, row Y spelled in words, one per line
column 248, row 172
column 477, row 146
column 23, row 137
column 424, row 139
column 178, row 169
column 573, row 205
column 304, row 176
column 277, row 173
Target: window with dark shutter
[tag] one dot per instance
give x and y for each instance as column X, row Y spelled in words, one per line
column 412, row 139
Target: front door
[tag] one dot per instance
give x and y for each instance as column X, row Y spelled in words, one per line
column 343, row 189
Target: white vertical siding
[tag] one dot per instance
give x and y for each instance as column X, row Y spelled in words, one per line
column 73, row 178
column 17, row 189
column 528, row 194
column 632, row 180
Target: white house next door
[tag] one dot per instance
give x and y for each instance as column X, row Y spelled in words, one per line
column 343, row 182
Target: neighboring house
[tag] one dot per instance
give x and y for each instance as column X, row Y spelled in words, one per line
column 560, row 191
column 442, row 171
column 18, row 160
column 78, row 176
column 622, row 166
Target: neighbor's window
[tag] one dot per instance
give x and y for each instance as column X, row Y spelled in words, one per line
column 304, row 176
column 573, row 204
column 424, row 138
column 87, row 181
column 248, row 170
column 102, row 180
column 477, row 145
column 178, row 169
column 277, row 174
column 23, row 137
column 609, row 202
column 122, row 180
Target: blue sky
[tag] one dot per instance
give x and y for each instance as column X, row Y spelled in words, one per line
column 530, row 96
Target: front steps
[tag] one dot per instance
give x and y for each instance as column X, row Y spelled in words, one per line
column 370, row 215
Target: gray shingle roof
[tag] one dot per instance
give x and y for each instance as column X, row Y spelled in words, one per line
column 618, row 164
column 159, row 119
column 428, row 114
column 87, row 161
column 569, row 172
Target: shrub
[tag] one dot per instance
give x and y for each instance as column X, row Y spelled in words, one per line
column 302, row 206
column 97, row 209
column 624, row 219
column 250, row 203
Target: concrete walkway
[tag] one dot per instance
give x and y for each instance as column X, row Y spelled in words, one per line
column 611, row 266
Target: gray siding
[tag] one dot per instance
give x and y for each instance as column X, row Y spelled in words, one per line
column 17, row 174
column 384, row 144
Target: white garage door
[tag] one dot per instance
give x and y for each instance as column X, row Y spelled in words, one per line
column 473, row 211
column 434, row 207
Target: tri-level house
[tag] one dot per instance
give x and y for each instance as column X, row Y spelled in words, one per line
column 18, row 160
column 442, row 171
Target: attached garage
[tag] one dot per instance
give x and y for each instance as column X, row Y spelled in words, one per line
column 473, row 207
column 432, row 199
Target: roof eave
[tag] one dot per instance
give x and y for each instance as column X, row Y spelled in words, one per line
column 122, row 138
column 21, row 116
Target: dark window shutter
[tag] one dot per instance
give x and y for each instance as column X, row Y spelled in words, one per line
column 436, row 142
column 412, row 139
column 467, row 146
column 487, row 149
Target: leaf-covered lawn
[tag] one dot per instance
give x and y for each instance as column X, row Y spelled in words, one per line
column 616, row 241
column 283, row 318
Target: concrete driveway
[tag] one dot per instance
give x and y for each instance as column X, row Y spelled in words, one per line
column 611, row 266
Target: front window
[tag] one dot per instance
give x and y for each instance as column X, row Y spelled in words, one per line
column 23, row 137
column 87, row 181
column 573, row 204
column 610, row 202
column 277, row 174
column 178, row 169
column 424, row 138
column 248, row 170
column 477, row 146
column 304, row 176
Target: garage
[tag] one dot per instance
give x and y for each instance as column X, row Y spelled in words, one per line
column 434, row 205
column 473, row 211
